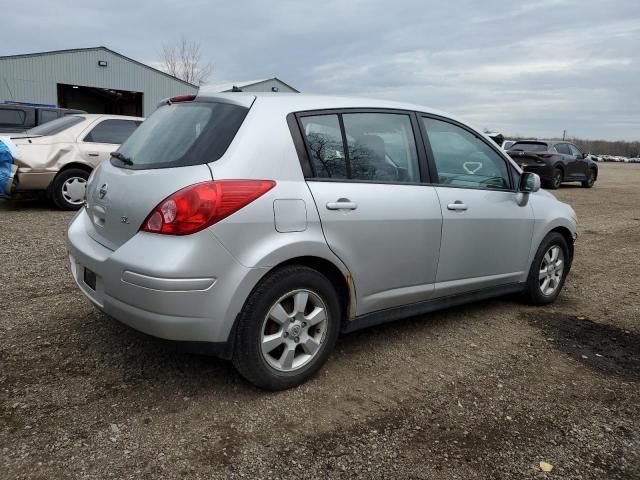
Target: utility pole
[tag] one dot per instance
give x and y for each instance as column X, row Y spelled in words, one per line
column 564, row 132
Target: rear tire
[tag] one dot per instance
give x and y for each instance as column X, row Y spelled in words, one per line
column 556, row 179
column 548, row 270
column 68, row 187
column 589, row 182
column 287, row 328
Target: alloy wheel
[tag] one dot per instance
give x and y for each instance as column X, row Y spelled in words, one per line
column 551, row 270
column 293, row 331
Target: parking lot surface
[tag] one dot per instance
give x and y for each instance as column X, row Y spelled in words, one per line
column 487, row 390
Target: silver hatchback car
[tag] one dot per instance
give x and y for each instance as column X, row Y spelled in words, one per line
column 259, row 227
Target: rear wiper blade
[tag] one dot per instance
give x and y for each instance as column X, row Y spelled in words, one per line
column 124, row 159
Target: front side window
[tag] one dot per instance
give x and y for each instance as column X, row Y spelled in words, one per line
column 574, row 150
column 111, row 131
column 379, row 147
column 463, row 159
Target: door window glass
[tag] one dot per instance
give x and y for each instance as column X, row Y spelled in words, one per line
column 47, row 115
column 381, row 147
column 563, row 148
column 325, row 147
column 463, row 159
column 574, row 150
column 111, row 131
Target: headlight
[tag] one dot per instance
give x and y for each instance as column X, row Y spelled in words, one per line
column 572, row 214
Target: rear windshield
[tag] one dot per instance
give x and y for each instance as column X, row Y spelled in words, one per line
column 530, row 146
column 182, row 134
column 56, row 126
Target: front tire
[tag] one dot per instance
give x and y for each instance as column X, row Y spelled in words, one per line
column 68, row 189
column 287, row 328
column 589, row 182
column 548, row 270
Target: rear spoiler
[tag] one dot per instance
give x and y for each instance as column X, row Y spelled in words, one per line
column 237, row 98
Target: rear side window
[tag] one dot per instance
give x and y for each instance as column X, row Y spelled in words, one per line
column 182, row 134
column 379, row 147
column 563, row 148
column 111, row 131
column 13, row 117
column 47, row 115
column 56, row 126
column 530, row 146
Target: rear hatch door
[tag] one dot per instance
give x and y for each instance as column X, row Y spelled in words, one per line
column 168, row 152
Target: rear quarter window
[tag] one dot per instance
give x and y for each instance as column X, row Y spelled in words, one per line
column 183, row 134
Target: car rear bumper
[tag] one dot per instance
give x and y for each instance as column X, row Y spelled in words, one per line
column 187, row 288
column 544, row 171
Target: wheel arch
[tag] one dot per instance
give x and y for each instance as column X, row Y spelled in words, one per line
column 343, row 282
column 568, row 236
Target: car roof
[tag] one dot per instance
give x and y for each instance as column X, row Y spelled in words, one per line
column 295, row 102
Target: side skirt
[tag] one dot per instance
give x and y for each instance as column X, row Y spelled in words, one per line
column 420, row 308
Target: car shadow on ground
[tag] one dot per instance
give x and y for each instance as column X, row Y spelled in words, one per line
column 140, row 359
column 27, row 202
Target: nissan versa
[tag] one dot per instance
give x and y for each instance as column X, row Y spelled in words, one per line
column 257, row 228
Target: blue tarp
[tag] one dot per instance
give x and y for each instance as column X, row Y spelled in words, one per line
column 6, row 161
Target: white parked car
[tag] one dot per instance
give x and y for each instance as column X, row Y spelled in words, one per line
column 58, row 157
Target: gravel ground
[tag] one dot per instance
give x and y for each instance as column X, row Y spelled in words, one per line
column 488, row 390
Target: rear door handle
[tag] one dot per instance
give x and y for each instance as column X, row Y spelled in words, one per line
column 93, row 154
column 342, row 204
column 457, row 206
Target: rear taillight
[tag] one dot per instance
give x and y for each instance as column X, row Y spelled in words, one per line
column 199, row 206
column 545, row 155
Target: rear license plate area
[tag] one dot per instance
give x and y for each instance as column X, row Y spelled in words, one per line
column 89, row 279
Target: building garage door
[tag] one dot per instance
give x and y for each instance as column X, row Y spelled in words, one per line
column 100, row 100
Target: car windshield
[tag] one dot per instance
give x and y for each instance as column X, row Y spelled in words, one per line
column 55, row 126
column 530, row 146
column 182, row 134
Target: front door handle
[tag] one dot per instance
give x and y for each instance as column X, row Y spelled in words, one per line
column 93, row 154
column 457, row 206
column 342, row 204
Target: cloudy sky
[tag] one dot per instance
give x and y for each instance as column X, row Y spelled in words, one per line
column 534, row 67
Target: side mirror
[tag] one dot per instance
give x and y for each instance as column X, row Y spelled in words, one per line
column 584, row 155
column 529, row 182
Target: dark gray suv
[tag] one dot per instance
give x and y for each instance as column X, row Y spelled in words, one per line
column 555, row 161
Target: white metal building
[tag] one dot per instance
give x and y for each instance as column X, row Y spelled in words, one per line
column 265, row 85
column 97, row 80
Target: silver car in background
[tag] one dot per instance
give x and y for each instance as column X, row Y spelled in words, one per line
column 257, row 228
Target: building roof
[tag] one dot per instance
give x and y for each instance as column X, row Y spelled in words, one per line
column 228, row 86
column 73, row 50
